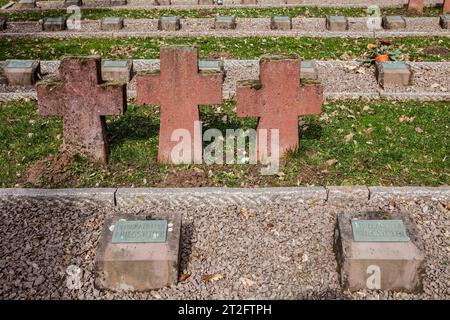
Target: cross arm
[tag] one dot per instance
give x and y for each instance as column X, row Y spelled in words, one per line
column 148, row 88
column 49, row 96
column 210, row 87
column 111, row 98
column 247, row 96
column 311, row 99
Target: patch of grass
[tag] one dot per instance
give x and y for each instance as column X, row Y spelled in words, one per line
column 213, row 47
column 312, row 12
column 354, row 142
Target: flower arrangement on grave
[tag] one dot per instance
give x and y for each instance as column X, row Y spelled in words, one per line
column 381, row 52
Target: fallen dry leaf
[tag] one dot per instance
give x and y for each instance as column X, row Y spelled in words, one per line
column 246, row 212
column 212, row 277
column 406, row 119
column 419, row 130
column 331, row 162
column 349, row 137
column 184, row 277
column 369, row 130
column 247, row 282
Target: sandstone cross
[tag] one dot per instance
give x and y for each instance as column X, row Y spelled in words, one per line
column 446, row 6
column 179, row 88
column 417, row 6
column 278, row 99
column 82, row 100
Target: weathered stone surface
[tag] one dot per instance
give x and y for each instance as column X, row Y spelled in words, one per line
column 415, row 6
column 68, row 3
column 280, row 23
column 278, row 99
column 336, row 23
column 308, row 70
column 341, row 195
column 138, row 266
column 205, row 2
column 22, row 72
column 54, row 24
column 179, row 89
column 26, row 4
column 444, row 21
column 2, row 23
column 169, row 23
column 163, row 2
column 294, row 1
column 83, row 100
column 118, row 2
column 393, row 22
column 225, row 22
column 117, row 70
column 111, row 23
column 400, row 264
column 446, row 8
column 393, row 74
column 211, row 65
column 249, row 1
column 378, row 194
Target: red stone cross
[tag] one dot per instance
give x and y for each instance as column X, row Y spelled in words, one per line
column 278, row 100
column 417, row 5
column 83, row 101
column 179, row 89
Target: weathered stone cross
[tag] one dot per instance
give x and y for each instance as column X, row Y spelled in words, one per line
column 83, row 101
column 278, row 100
column 179, row 89
column 417, row 5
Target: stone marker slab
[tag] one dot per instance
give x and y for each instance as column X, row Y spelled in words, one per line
column 293, row 1
column 393, row 22
column 68, row 3
column 444, row 21
column 280, row 23
column 163, row 2
column 393, row 73
column 26, row 4
column 2, row 23
column 111, row 23
column 170, row 23
column 83, row 100
column 336, row 23
column 118, row 2
column 54, row 24
column 386, row 256
column 225, row 22
column 138, row 253
column 278, row 99
column 22, row 72
column 416, row 6
column 179, row 88
column 205, row 2
column 211, row 65
column 308, row 70
column 249, row 1
column 117, row 70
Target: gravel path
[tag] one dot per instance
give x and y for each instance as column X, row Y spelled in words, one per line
column 188, row 4
column 341, row 80
column 279, row 250
column 246, row 27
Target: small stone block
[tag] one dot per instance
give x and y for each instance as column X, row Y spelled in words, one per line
column 54, row 24
column 2, row 23
column 138, row 254
column 393, row 74
column 379, row 251
column 111, row 23
column 280, row 23
column 393, row 22
column 26, row 4
column 444, row 21
column 210, row 65
column 308, row 70
column 249, row 1
column 205, row 2
column 22, row 72
column 118, row 2
column 337, row 23
column 225, row 22
column 293, row 1
column 163, row 2
column 68, row 3
column 117, row 70
column 170, row 23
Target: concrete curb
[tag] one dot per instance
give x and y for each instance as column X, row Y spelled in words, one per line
column 220, row 197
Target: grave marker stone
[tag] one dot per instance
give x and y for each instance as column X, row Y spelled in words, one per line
column 22, row 72
column 138, row 254
column 225, row 22
column 249, row 1
column 205, row 2
column 444, row 21
column 83, row 100
column 415, row 6
column 211, row 65
column 393, row 73
column 280, row 23
column 336, row 23
column 171, row 23
column 308, row 70
column 278, row 99
column 163, row 2
column 54, row 24
column 379, row 251
column 117, row 70
column 26, row 4
column 111, row 23
column 68, row 3
column 118, row 2
column 393, row 22
column 179, row 88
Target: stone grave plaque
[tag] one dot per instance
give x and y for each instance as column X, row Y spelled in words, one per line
column 115, row 63
column 379, row 231
column 22, row 72
column 14, row 64
column 146, row 231
column 210, row 65
column 117, row 70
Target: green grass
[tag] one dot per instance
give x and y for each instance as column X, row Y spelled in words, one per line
column 96, row 14
column 213, row 47
column 392, row 152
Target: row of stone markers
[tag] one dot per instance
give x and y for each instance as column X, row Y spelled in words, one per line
column 179, row 88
